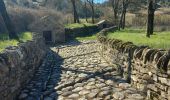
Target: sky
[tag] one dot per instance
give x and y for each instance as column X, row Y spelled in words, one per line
column 99, row 1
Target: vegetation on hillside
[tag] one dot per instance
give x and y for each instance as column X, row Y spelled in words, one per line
column 5, row 41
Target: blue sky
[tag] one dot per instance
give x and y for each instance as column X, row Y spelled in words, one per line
column 99, row 1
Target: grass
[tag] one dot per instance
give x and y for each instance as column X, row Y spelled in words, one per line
column 138, row 37
column 78, row 25
column 93, row 37
column 5, row 42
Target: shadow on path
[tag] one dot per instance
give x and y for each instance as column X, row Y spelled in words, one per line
column 44, row 79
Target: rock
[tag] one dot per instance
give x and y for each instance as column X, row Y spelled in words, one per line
column 73, row 96
column 136, row 97
column 124, row 85
column 104, row 93
column 84, row 92
column 118, row 95
column 91, row 83
column 79, row 85
column 109, row 82
column 99, row 85
column 54, row 94
column 23, row 96
column 85, row 64
column 66, row 93
column 91, row 80
column 77, row 89
column 95, row 91
column 82, row 75
column 60, row 98
column 67, row 89
column 109, row 97
column 89, row 87
column 48, row 98
column 92, row 95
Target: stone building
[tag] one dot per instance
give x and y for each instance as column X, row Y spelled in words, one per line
column 50, row 27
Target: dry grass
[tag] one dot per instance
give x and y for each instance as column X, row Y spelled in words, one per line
column 23, row 17
column 161, row 22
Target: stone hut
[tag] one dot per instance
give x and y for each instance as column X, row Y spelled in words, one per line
column 50, row 27
column 102, row 24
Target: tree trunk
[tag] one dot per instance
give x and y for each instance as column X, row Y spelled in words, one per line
column 86, row 11
column 115, row 4
column 150, row 21
column 124, row 19
column 7, row 21
column 91, row 2
column 76, row 18
column 123, row 14
column 115, row 14
column 92, row 12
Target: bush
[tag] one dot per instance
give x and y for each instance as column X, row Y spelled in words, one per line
column 23, row 17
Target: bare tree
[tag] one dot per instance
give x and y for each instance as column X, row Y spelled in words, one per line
column 125, row 4
column 115, row 6
column 150, row 21
column 91, row 2
column 7, row 21
column 85, row 5
column 76, row 17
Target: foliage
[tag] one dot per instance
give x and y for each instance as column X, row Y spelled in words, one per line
column 93, row 37
column 138, row 37
column 5, row 42
column 25, row 36
column 77, row 25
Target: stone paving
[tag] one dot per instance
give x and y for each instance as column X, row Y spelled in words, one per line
column 78, row 73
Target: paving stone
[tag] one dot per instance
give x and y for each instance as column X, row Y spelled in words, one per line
column 109, row 82
column 65, row 79
column 92, row 95
column 84, row 92
column 23, row 96
column 82, row 75
column 136, row 96
column 118, row 95
column 103, row 93
column 66, row 93
column 77, row 89
column 124, row 85
column 73, row 96
column 48, row 98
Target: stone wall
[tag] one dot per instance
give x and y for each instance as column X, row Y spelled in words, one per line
column 80, row 32
column 17, row 66
column 147, row 69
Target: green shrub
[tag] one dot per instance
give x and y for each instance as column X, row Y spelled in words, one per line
column 5, row 41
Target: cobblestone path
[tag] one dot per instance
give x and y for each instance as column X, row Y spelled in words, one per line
column 78, row 73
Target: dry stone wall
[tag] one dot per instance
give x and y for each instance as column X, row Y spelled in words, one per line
column 17, row 66
column 147, row 69
column 79, row 32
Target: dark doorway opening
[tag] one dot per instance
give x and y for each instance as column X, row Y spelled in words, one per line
column 47, row 35
column 104, row 25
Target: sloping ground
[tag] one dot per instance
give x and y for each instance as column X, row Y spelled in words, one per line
column 78, row 73
column 6, row 42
